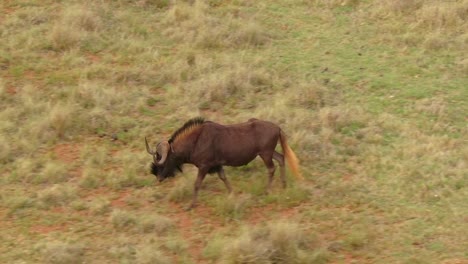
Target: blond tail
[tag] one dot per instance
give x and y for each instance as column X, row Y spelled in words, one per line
column 290, row 157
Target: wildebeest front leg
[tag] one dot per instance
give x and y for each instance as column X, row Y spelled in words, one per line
column 201, row 175
column 222, row 176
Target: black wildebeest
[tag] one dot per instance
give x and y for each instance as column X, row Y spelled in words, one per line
column 210, row 146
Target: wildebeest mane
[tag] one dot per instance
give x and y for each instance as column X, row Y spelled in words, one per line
column 189, row 125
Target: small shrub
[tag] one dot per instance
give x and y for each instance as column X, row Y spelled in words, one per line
column 17, row 203
column 245, row 249
column 100, row 206
column 155, row 223
column 233, row 206
column 127, row 178
column 125, row 252
column 53, row 172
column 150, row 255
column 95, row 157
column 182, row 190
column 57, row 195
column 357, row 239
column 236, row 85
column 61, row 118
column 176, row 245
column 92, row 178
column 5, row 150
column 63, row 253
column 309, row 95
column 122, row 219
column 195, row 24
column 25, row 170
column 73, row 27
column 277, row 242
column 404, row 6
column 63, row 37
column 250, row 34
column 154, row 3
column 79, row 205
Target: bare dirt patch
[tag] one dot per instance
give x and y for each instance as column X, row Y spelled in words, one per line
column 194, row 226
column 41, row 229
column 120, row 200
column 67, row 152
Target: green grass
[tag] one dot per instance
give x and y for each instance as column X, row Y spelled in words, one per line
column 371, row 94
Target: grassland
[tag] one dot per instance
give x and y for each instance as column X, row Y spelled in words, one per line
column 372, row 95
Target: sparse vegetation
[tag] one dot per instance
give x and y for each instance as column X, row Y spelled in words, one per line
column 155, row 223
column 233, row 207
column 60, row 253
column 56, row 195
column 277, row 242
column 371, row 94
column 121, row 219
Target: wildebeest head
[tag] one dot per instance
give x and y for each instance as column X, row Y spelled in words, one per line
column 164, row 163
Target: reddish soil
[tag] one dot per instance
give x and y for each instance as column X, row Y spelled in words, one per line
column 67, row 152
column 94, row 58
column 195, row 225
column 11, row 90
column 120, row 201
column 41, row 229
column 185, row 226
column 30, row 75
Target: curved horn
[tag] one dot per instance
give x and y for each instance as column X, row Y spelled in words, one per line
column 148, row 147
column 163, row 150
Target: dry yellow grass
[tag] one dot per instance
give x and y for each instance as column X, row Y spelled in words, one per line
column 371, row 95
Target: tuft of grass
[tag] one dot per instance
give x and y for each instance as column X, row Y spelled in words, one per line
column 53, row 172
column 291, row 196
column 63, row 37
column 100, row 206
column 133, row 174
column 122, row 219
column 95, row 157
column 73, row 27
column 232, row 84
column 277, row 242
column 123, row 250
column 149, row 255
column 233, row 206
column 176, row 244
column 5, row 150
column 25, row 170
column 128, row 178
column 56, row 195
column 58, row 252
column 335, row 3
column 182, row 191
column 92, row 178
column 436, row 23
column 17, row 203
column 196, row 24
column 154, row 223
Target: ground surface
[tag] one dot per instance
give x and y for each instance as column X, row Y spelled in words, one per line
column 371, row 95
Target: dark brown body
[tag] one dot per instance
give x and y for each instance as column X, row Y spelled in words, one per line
column 210, row 146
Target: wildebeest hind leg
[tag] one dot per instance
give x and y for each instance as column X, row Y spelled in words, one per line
column 222, row 176
column 267, row 159
column 280, row 158
column 201, row 175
